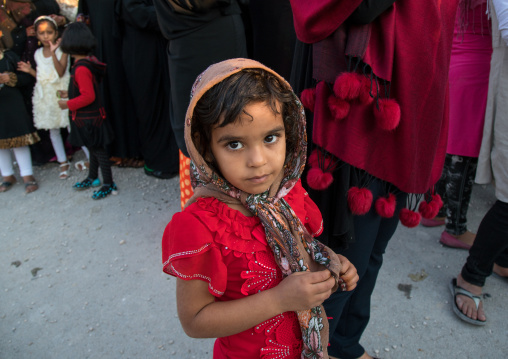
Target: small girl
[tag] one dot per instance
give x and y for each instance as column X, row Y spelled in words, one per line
column 89, row 126
column 249, row 271
column 52, row 74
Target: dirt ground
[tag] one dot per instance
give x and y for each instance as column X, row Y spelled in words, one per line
column 82, row 279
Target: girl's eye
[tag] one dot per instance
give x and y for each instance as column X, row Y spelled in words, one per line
column 234, row 145
column 271, row 138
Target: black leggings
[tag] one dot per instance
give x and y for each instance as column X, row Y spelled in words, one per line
column 455, row 187
column 100, row 158
column 489, row 247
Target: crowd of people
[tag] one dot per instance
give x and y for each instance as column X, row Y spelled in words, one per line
column 302, row 132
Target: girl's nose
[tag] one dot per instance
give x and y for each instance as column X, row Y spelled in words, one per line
column 257, row 157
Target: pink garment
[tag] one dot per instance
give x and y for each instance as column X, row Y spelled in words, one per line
column 469, row 81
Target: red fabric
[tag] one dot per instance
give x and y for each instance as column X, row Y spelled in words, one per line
column 412, row 156
column 84, row 79
column 211, row 242
column 316, row 19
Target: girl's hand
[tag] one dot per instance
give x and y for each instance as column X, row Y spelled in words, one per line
column 348, row 275
column 63, row 104
column 54, row 46
column 24, row 66
column 4, row 78
column 62, row 94
column 304, row 290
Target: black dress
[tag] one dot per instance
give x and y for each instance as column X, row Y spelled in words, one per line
column 16, row 126
column 145, row 62
column 116, row 94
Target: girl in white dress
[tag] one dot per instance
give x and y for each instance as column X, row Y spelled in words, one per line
column 52, row 74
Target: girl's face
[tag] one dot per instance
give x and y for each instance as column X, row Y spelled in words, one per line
column 251, row 152
column 46, row 33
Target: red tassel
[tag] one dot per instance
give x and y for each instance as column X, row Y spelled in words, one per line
column 385, row 206
column 359, row 200
column 347, row 85
column 409, row 218
column 308, row 98
column 388, row 114
column 338, row 107
column 319, row 180
column 365, row 90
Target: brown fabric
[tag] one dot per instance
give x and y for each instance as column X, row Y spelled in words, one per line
column 21, row 141
column 294, row 248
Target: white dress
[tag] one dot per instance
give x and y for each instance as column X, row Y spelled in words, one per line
column 47, row 114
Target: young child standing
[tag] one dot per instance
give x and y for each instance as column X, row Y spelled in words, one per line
column 89, row 126
column 249, row 271
column 52, row 74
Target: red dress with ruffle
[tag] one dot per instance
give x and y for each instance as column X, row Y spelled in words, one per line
column 212, row 242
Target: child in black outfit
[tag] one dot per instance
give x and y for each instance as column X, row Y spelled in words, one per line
column 89, row 126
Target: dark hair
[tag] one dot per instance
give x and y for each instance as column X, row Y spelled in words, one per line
column 77, row 39
column 226, row 101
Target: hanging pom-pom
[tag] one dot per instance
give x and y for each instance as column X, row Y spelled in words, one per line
column 312, row 161
column 436, row 199
column 347, row 85
column 388, row 114
column 319, row 180
column 308, row 98
column 427, row 210
column 385, row 206
column 359, row 200
column 338, row 107
column 409, row 218
column 367, row 87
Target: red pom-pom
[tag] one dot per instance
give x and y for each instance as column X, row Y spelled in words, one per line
column 385, row 206
column 359, row 200
column 313, row 159
column 437, row 200
column 427, row 210
column 347, row 85
column 388, row 114
column 409, row 218
column 367, row 87
column 318, row 159
column 319, row 180
column 308, row 98
column 338, row 107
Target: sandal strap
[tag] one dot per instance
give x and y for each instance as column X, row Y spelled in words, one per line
column 476, row 299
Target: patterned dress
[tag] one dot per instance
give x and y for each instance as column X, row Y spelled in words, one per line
column 211, row 242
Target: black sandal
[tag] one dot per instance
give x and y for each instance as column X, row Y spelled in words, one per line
column 5, row 186
column 31, row 183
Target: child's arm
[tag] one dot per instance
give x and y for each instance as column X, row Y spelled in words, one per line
column 84, row 79
column 60, row 65
column 202, row 317
column 26, row 67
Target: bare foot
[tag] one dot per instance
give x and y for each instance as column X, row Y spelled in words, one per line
column 467, row 237
column 500, row 271
column 466, row 304
column 30, row 184
column 8, row 179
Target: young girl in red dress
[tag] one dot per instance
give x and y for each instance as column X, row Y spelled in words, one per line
column 249, row 271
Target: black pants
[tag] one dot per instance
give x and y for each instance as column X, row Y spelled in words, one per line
column 455, row 187
column 99, row 158
column 489, row 247
column 349, row 312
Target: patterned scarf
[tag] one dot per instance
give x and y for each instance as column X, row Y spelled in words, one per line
column 294, row 248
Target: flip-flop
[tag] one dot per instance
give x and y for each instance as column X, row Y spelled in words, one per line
column 456, row 290
column 7, row 185
column 81, row 166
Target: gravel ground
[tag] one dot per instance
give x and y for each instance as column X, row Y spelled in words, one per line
column 82, row 279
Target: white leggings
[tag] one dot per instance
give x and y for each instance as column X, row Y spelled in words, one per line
column 58, row 146
column 23, row 157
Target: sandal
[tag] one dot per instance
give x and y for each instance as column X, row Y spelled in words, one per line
column 5, row 186
column 105, row 191
column 64, row 174
column 31, row 186
column 85, row 184
column 456, row 290
column 82, row 165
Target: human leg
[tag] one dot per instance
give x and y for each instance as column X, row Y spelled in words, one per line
column 7, row 170
column 58, row 146
column 108, row 186
column 24, row 159
column 461, row 172
column 491, row 245
column 350, row 311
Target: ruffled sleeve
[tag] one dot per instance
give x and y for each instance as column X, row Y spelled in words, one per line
column 189, row 252
column 305, row 209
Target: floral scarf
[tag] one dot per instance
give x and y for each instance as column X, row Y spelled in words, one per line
column 294, row 248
